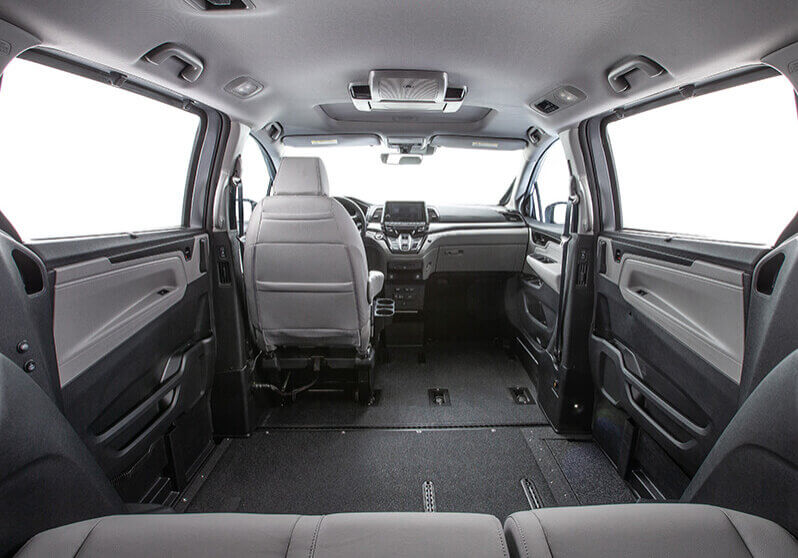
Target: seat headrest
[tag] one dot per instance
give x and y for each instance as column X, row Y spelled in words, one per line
column 301, row 176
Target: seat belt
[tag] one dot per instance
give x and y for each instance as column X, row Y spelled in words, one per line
column 571, row 216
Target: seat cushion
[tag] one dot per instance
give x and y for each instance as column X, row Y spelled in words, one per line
column 645, row 530
column 229, row 535
column 350, row 535
column 190, row 535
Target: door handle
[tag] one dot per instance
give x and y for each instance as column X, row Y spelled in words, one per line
column 618, row 75
column 194, row 64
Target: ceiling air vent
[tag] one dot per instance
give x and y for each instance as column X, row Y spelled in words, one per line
column 360, row 92
column 407, row 91
column 455, row 94
column 220, row 5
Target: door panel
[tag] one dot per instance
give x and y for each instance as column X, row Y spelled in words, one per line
column 134, row 346
column 539, row 286
column 700, row 304
column 668, row 336
column 100, row 304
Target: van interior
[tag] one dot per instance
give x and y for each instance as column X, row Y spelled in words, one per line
column 374, row 278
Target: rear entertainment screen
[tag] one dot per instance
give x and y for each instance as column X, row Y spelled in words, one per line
column 405, row 212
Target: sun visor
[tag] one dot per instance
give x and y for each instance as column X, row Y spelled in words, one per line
column 13, row 41
column 332, row 140
column 469, row 142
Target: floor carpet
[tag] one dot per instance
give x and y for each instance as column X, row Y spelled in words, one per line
column 478, row 377
column 472, row 470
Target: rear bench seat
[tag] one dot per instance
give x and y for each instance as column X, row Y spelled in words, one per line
column 645, row 530
column 631, row 530
column 230, row 535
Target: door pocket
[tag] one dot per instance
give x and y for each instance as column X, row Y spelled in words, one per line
column 621, row 381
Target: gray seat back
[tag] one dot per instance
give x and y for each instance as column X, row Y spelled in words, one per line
column 305, row 270
column 753, row 466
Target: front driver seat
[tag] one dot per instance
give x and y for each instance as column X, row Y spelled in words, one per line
column 305, row 272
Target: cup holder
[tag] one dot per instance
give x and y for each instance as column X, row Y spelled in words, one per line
column 384, row 307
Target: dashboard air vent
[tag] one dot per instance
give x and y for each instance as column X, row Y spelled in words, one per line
column 433, row 214
column 376, row 217
column 512, row 217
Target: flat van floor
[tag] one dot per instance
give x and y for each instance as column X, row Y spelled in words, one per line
column 477, row 447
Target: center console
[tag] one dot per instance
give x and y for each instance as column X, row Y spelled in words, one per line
column 405, row 226
column 404, row 230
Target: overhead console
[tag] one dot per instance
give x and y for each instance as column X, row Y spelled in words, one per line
column 407, row 90
column 405, row 226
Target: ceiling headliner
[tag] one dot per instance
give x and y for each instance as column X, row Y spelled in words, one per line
column 508, row 52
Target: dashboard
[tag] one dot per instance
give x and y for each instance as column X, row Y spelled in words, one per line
column 409, row 241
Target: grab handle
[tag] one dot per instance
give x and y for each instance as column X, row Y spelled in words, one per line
column 194, row 64
column 618, row 75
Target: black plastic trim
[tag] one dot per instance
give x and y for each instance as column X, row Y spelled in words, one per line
column 685, row 251
column 118, row 248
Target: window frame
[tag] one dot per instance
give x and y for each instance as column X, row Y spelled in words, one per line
column 205, row 141
column 236, row 198
column 532, row 189
column 734, row 78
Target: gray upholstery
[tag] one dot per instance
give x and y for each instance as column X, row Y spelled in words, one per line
column 753, row 467
column 350, row 535
column 305, row 271
column 376, row 281
column 242, row 535
column 645, row 530
column 122, row 536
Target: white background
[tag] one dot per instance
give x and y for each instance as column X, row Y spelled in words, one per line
column 450, row 176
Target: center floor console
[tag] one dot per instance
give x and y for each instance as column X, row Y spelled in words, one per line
column 405, row 285
column 404, row 229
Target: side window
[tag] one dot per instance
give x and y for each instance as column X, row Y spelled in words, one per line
column 79, row 157
column 551, row 189
column 255, row 176
column 255, row 180
column 716, row 166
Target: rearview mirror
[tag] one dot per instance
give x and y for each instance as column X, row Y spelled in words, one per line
column 401, row 159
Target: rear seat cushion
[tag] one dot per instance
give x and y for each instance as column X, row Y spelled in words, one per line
column 645, row 530
column 243, row 535
column 195, row 536
column 350, row 535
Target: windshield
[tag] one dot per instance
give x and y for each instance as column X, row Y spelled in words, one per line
column 449, row 177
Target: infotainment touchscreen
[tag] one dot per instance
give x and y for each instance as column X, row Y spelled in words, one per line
column 405, row 212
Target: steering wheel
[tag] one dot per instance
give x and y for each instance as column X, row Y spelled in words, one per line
column 355, row 212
